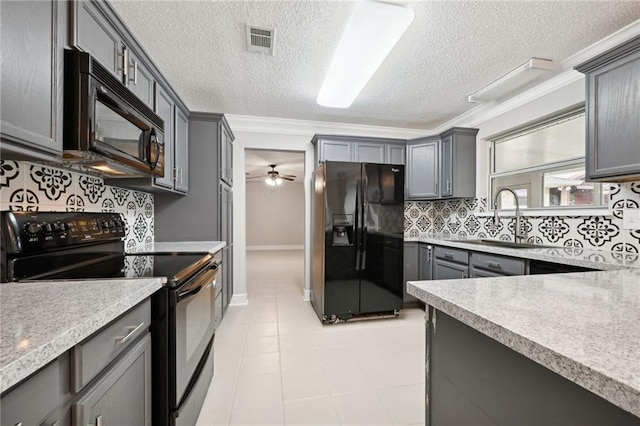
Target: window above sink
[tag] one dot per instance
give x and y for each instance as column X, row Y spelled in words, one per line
column 543, row 163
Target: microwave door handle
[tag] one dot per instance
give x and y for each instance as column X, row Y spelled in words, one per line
column 153, row 139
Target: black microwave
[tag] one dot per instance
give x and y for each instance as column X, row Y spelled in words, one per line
column 106, row 127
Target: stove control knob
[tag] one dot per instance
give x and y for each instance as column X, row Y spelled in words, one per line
column 33, row 228
column 105, row 224
column 56, row 227
column 112, row 223
column 48, row 227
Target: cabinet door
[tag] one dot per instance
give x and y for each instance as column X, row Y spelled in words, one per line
column 226, row 156
column 123, row 395
column 182, row 151
column 139, row 79
column 369, row 153
column 425, row 256
column 95, row 35
column 446, row 166
column 422, row 170
column 30, row 74
column 411, row 268
column 395, row 154
column 479, row 273
column 165, row 109
column 335, row 151
column 613, row 127
column 443, row 270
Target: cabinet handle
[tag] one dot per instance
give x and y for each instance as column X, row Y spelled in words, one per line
column 464, row 275
column 132, row 330
column 448, row 185
column 99, row 420
column 135, row 72
column 18, row 424
column 448, row 256
column 436, row 188
column 494, row 265
column 125, row 63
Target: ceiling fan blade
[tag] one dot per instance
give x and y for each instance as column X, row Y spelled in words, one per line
column 288, row 177
column 254, row 177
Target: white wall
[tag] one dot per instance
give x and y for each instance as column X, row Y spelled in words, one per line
column 275, row 215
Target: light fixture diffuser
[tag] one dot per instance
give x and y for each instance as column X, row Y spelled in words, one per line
column 372, row 31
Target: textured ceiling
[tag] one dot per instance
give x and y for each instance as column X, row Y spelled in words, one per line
column 452, row 49
column 256, row 163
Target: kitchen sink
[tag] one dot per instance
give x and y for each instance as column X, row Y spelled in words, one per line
column 506, row 244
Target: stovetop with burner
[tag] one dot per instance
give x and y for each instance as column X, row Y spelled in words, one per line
column 84, row 245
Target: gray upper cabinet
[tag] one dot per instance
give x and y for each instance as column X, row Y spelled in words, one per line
column 422, row 168
column 356, row 149
column 95, row 33
column 369, row 152
column 612, row 105
column 165, row 108
column 442, row 166
column 181, row 147
column 226, row 153
column 31, row 81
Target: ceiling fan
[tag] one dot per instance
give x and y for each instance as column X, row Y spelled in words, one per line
column 274, row 178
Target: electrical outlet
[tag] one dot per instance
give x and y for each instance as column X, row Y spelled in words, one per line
column 631, row 218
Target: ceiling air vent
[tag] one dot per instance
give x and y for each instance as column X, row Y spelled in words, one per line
column 260, row 39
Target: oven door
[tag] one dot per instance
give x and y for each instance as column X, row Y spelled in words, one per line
column 194, row 327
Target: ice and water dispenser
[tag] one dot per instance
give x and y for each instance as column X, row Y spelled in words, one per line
column 342, row 230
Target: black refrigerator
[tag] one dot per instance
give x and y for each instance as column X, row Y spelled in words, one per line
column 357, row 233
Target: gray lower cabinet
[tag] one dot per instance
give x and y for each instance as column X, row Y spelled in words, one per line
column 226, row 234
column 450, row 263
column 122, row 395
column 411, row 268
column 104, row 380
column 425, row 259
column 359, row 149
column 612, row 105
column 31, row 79
column 474, row 380
column 422, row 168
column 492, row 265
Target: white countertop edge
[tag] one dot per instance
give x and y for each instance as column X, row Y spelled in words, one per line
column 609, row 388
column 21, row 368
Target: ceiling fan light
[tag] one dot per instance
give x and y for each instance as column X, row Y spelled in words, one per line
column 278, row 181
column 270, row 181
column 372, row 31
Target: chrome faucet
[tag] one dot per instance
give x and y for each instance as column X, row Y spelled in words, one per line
column 518, row 235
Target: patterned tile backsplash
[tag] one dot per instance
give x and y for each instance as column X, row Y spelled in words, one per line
column 456, row 219
column 35, row 187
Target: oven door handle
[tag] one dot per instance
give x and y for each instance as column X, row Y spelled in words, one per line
column 202, row 281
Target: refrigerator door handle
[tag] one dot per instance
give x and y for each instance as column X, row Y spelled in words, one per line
column 363, row 206
column 358, row 226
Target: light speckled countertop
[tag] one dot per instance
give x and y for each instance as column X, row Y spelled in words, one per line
column 596, row 259
column 39, row 321
column 180, row 246
column 584, row 326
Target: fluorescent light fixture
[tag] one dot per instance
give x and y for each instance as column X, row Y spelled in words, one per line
column 517, row 79
column 371, row 32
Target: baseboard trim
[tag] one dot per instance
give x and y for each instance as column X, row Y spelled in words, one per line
column 283, row 247
column 239, row 300
column 307, row 295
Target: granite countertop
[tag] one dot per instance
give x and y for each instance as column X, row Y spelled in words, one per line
column 596, row 259
column 180, row 246
column 39, row 321
column 583, row 326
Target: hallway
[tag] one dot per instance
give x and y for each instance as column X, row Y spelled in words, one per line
column 276, row 364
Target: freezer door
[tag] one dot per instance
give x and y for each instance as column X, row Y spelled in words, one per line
column 342, row 238
column 381, row 285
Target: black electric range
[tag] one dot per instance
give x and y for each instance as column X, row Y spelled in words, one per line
column 39, row 246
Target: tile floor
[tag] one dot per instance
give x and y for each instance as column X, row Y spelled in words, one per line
column 276, row 364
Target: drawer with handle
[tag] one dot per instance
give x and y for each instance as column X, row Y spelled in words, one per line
column 91, row 356
column 451, row 254
column 500, row 264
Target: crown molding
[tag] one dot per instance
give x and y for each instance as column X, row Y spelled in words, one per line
column 285, row 126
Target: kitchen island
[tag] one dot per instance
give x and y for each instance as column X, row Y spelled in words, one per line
column 530, row 350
